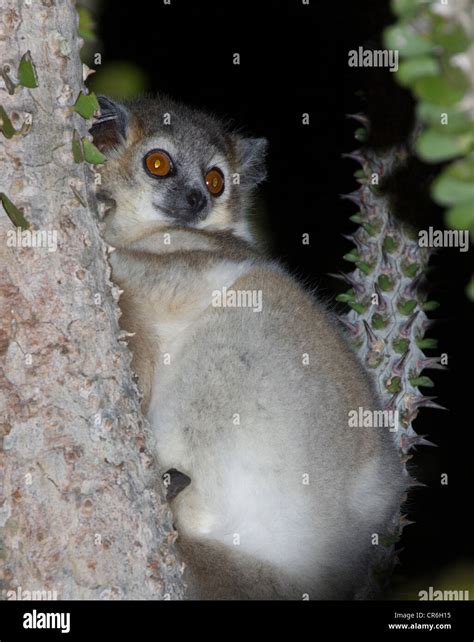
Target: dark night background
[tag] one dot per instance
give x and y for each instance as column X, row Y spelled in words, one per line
column 294, row 60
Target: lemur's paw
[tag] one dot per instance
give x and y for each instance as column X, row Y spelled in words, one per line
column 174, row 481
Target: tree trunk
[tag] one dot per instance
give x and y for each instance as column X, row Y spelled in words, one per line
column 81, row 508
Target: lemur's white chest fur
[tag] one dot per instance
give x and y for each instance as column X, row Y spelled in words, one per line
column 249, row 405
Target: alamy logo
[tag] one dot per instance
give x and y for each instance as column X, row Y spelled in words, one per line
column 26, row 595
column 364, row 418
column 444, row 238
column 432, row 594
column 33, row 238
column 373, row 58
column 39, row 620
column 227, row 298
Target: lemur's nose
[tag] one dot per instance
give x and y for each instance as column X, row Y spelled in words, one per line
column 196, row 199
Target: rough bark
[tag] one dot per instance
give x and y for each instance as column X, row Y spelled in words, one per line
column 81, row 510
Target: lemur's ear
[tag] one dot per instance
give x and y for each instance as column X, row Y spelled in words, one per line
column 251, row 157
column 110, row 128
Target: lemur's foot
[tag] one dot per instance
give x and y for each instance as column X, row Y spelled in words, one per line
column 174, row 481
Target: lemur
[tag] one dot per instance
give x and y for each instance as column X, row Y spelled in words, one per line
column 273, row 495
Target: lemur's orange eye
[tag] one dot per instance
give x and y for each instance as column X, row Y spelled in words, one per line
column 158, row 163
column 215, row 181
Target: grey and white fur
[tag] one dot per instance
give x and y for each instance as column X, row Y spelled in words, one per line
column 277, row 497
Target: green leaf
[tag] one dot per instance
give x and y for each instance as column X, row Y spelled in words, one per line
column 346, row 296
column 439, row 89
column 6, row 126
column 91, row 153
column 9, row 84
column 444, row 118
column 358, row 307
column 364, row 267
column 434, row 146
column 370, row 228
column 389, row 244
column 385, row 283
column 86, row 106
column 378, row 321
column 449, row 35
column 413, row 68
column 461, row 217
column 410, row 269
column 401, row 345
column 352, row 256
column 421, row 381
column 470, row 289
column 406, row 307
column 15, row 215
column 427, row 344
column 85, row 150
column 393, row 385
column 409, row 43
column 27, row 76
column 120, row 80
column 356, row 218
column 455, row 184
column 404, row 8
column 463, row 170
column 429, row 306
column 410, row 232
column 86, row 24
column 77, row 149
column 375, row 189
column 361, row 134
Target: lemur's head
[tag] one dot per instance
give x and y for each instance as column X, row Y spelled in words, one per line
column 173, row 165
